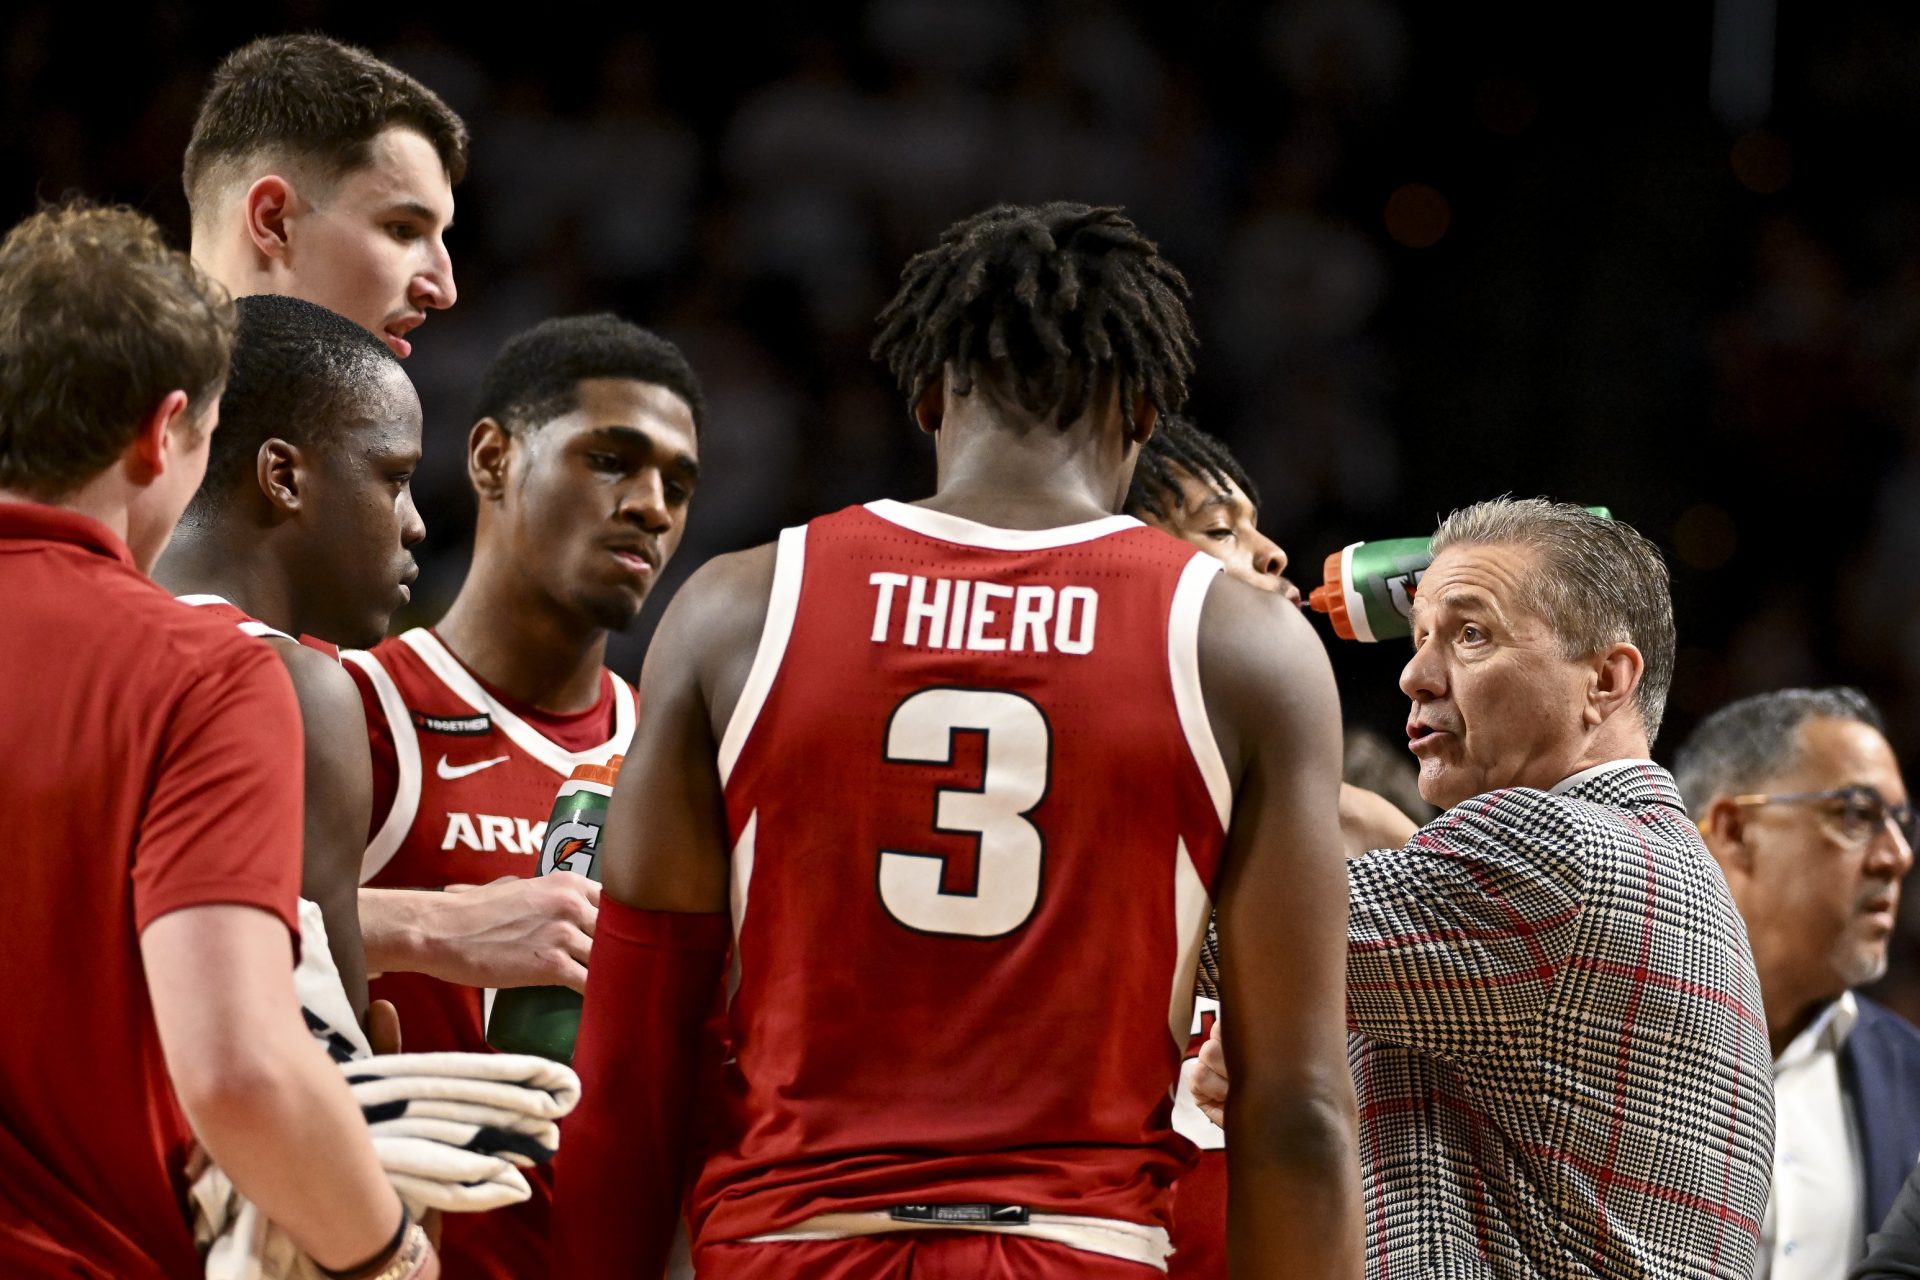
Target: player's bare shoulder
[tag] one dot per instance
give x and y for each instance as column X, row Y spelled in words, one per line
column 711, row 631
column 1262, row 666
column 329, row 700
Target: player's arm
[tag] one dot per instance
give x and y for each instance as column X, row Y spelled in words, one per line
column 516, row 932
column 1369, row 821
column 513, row 932
column 662, row 937
column 1293, row 1168
column 215, row 872
column 339, row 794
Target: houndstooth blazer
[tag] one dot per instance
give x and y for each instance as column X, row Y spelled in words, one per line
column 1561, row 1058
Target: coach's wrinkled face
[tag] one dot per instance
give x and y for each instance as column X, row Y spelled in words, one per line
column 1494, row 702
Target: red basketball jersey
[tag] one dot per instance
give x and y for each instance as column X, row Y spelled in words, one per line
column 472, row 783
column 977, row 813
column 472, row 780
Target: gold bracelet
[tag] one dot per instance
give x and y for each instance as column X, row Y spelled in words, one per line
column 410, row 1259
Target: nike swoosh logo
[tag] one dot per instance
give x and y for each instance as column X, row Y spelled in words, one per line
column 452, row 771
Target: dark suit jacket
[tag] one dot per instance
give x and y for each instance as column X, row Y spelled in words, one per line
column 1880, row 1069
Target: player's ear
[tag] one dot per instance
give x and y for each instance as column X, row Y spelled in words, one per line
column 931, row 408
column 277, row 469
column 489, row 446
column 1723, row 829
column 265, row 209
column 163, row 434
column 1143, row 420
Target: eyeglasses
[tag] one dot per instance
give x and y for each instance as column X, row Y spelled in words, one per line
column 1863, row 812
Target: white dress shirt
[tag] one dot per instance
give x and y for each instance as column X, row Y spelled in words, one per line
column 1816, row 1217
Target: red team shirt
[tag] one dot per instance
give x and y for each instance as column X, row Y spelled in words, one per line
column 977, row 813
column 147, row 770
column 464, row 779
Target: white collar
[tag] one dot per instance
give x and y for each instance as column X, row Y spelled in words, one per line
column 970, row 533
column 1825, row 1034
column 1588, row 775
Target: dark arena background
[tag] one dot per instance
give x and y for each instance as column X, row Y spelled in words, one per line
column 1663, row 258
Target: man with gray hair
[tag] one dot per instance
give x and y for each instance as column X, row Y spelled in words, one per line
column 1559, row 1049
column 1800, row 800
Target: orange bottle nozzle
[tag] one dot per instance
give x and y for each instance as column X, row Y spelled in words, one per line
column 1330, row 598
column 604, row 774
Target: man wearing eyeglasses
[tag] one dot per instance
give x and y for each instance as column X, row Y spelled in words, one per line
column 1800, row 800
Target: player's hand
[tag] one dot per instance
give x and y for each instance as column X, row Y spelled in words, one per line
column 514, row 932
column 382, row 1025
column 1369, row 820
column 1209, row 1086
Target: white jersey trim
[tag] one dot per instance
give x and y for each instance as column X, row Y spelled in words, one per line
column 460, row 682
column 406, row 751
column 783, row 603
column 251, row 626
column 737, row 894
column 1183, row 659
column 1113, row 1237
column 1191, row 907
column 968, row 533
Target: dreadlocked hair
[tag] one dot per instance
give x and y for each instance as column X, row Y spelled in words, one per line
column 1177, row 445
column 1046, row 299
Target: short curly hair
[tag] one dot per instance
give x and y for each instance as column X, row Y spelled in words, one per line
column 99, row 320
column 536, row 375
column 296, row 373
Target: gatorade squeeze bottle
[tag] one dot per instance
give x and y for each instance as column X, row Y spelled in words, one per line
column 545, row 1020
column 1368, row 592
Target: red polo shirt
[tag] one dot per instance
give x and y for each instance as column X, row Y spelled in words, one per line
column 144, row 768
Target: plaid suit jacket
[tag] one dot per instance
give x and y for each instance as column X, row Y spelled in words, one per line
column 1562, row 1063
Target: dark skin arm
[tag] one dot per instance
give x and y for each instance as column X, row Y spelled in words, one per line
column 339, row 797
column 1294, row 1206
column 666, row 835
column 664, row 848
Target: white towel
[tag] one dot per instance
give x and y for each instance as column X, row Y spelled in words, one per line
column 316, row 981
column 452, row 1130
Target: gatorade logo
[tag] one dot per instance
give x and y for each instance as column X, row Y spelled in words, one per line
column 570, row 846
column 1400, row 589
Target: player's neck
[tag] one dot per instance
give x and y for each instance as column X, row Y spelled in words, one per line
column 1027, row 476
column 231, row 260
column 198, row 561
column 522, row 643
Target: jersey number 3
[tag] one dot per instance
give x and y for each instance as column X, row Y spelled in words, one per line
column 1015, row 761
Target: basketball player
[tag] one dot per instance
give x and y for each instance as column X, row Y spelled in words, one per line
column 957, row 781
column 317, row 171
column 584, row 460
column 1191, row 485
column 303, row 527
column 149, row 788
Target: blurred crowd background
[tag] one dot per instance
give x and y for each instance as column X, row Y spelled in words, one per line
column 1665, row 259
